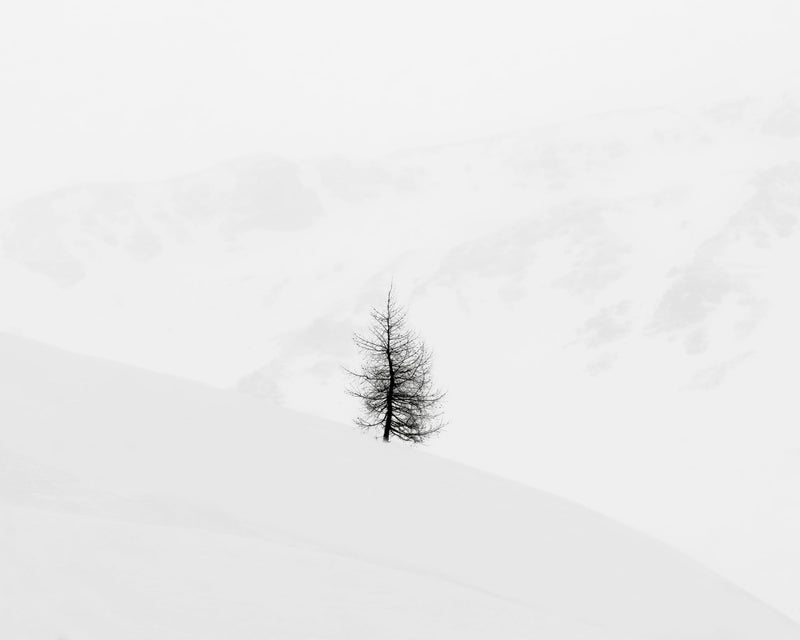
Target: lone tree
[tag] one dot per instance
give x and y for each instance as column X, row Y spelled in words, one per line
column 394, row 383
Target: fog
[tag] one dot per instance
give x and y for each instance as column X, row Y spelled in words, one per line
column 99, row 90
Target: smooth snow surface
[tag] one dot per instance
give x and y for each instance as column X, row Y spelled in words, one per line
column 614, row 298
column 139, row 506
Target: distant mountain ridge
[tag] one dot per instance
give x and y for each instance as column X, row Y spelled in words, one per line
column 614, row 295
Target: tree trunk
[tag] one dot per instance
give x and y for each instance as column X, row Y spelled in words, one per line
column 387, row 428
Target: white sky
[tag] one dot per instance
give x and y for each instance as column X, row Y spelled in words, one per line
column 105, row 89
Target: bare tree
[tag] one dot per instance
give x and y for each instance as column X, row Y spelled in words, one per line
column 394, row 383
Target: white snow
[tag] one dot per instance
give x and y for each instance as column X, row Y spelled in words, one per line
column 614, row 296
column 135, row 505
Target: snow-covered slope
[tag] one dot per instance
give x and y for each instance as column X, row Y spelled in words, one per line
column 614, row 299
column 136, row 505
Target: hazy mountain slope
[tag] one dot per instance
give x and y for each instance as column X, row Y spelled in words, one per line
column 616, row 296
column 135, row 504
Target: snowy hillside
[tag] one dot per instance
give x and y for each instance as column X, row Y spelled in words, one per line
column 141, row 506
column 641, row 265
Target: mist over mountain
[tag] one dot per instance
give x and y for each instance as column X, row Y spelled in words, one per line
column 651, row 250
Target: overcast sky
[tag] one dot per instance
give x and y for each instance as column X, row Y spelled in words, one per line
column 103, row 89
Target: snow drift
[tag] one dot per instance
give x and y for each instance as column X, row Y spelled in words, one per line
column 135, row 505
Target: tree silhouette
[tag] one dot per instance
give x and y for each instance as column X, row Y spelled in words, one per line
column 394, row 383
